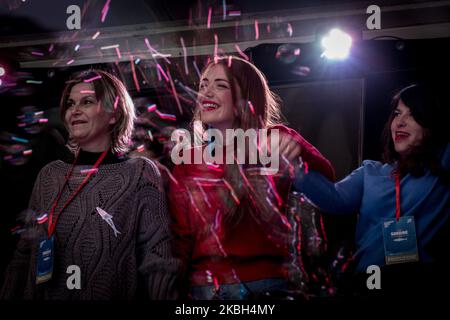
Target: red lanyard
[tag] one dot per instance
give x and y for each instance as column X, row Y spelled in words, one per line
column 397, row 196
column 51, row 225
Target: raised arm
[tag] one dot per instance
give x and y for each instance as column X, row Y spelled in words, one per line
column 342, row 197
column 298, row 146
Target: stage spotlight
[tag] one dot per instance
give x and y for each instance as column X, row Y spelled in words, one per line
column 337, row 45
column 2, row 71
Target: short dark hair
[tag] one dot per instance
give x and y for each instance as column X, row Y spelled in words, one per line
column 431, row 112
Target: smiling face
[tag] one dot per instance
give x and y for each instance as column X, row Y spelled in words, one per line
column 86, row 119
column 215, row 99
column 405, row 131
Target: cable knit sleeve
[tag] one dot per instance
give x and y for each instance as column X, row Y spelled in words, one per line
column 157, row 267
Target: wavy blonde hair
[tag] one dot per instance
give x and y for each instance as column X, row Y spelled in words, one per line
column 107, row 89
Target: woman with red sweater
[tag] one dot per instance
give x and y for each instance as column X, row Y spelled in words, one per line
column 227, row 219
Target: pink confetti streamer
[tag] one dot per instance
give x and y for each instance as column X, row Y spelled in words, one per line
column 241, row 53
column 216, row 45
column 92, row 79
column 166, row 116
column 250, row 105
column 186, row 69
column 151, row 108
column 289, row 29
column 105, row 10
column 256, row 30
column 89, row 171
column 155, row 52
column 162, row 72
column 119, row 55
column 116, row 102
column 233, row 194
column 133, row 71
column 208, row 24
column 96, row 35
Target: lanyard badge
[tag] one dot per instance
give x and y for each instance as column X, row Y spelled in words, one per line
column 44, row 268
column 399, row 235
column 400, row 242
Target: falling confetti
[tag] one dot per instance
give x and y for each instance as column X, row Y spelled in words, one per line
column 216, row 45
column 119, row 55
column 208, row 23
column 96, row 35
column 116, row 102
column 289, row 29
column 113, row 46
column 105, row 10
column 151, row 108
column 241, row 53
column 186, row 69
column 92, row 79
column 166, row 116
column 250, row 105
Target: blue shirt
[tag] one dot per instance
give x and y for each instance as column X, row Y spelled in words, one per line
column 370, row 190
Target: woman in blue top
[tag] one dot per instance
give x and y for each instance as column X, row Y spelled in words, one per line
column 417, row 155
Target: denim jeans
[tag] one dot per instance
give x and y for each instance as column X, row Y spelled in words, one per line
column 238, row 291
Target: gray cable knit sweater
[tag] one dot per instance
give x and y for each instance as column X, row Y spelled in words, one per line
column 136, row 263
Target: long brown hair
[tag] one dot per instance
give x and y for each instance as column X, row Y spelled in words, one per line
column 246, row 78
column 248, row 85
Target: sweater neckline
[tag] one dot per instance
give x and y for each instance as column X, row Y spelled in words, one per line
column 89, row 158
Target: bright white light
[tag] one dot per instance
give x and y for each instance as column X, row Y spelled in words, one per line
column 2, row 71
column 337, row 45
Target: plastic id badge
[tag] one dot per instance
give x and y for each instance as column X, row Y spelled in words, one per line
column 44, row 268
column 400, row 241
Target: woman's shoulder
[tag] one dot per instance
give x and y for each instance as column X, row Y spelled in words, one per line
column 373, row 166
column 55, row 167
column 142, row 164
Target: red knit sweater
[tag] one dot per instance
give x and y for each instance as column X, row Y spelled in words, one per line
column 253, row 248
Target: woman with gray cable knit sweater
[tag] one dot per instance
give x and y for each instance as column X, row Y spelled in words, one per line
column 97, row 227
